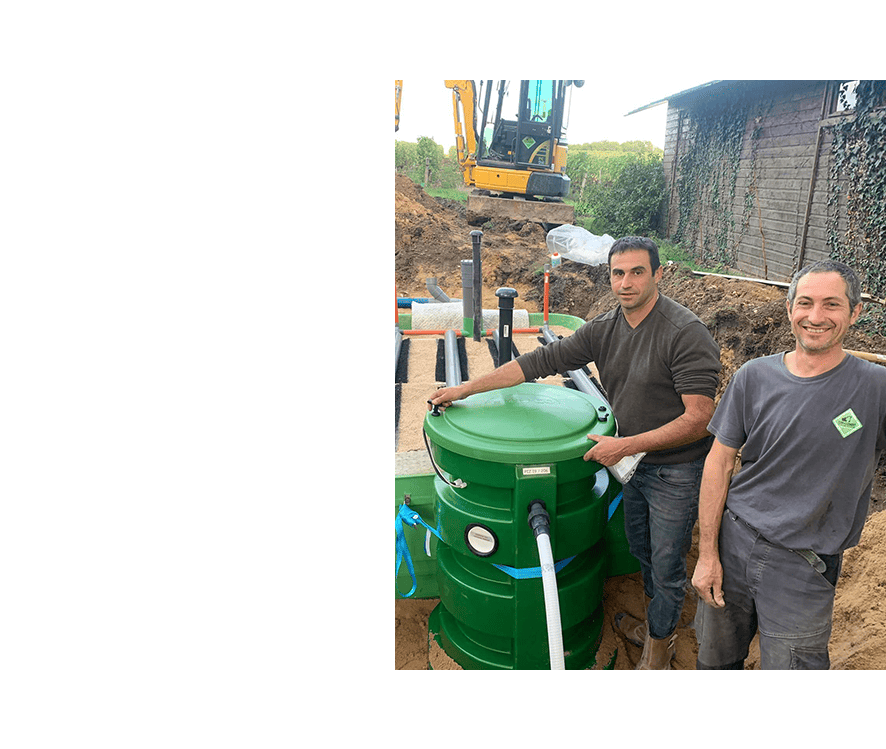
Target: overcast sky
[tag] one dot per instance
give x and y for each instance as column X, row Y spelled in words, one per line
column 598, row 110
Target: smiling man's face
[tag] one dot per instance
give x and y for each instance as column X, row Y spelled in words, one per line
column 821, row 316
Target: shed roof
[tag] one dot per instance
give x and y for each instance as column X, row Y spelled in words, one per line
column 716, row 88
column 674, row 96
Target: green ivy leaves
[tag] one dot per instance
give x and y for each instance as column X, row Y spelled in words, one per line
column 857, row 188
column 708, row 172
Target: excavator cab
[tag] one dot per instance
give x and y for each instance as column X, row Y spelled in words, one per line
column 530, row 138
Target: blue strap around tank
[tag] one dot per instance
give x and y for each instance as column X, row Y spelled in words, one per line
column 530, row 572
column 526, row 573
column 411, row 518
column 613, row 506
column 602, row 480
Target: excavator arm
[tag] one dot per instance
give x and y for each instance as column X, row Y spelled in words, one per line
column 464, row 110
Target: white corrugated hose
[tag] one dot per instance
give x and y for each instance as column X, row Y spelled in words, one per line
column 552, row 602
column 450, row 316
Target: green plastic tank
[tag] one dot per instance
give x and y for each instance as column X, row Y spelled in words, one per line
column 498, row 452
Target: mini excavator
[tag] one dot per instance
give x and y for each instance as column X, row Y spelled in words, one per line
column 516, row 167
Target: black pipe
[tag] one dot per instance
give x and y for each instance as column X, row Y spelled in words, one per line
column 478, row 284
column 539, row 520
column 467, row 291
column 506, row 296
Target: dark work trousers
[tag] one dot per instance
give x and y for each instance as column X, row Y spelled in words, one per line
column 775, row 591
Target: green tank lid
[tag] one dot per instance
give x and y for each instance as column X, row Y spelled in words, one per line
column 528, row 423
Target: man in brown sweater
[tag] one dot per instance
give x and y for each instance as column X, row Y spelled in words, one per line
column 659, row 365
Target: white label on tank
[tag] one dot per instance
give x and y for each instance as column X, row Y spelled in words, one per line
column 536, row 471
column 506, row 329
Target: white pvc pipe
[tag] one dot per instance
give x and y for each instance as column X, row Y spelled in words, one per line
column 450, row 356
column 581, row 380
column 552, row 602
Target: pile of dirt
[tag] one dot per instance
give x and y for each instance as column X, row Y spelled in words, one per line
column 432, row 237
column 747, row 319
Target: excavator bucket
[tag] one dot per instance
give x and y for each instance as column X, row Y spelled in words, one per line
column 483, row 208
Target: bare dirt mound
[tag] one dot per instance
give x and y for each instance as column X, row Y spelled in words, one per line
column 432, row 237
column 747, row 319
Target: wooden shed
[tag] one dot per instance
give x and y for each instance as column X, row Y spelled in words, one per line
column 767, row 176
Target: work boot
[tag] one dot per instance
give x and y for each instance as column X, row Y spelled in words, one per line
column 631, row 627
column 657, row 654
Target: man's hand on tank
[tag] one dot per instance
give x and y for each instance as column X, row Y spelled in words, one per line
column 608, row 450
column 443, row 398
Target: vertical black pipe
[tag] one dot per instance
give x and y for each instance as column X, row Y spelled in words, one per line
column 476, row 236
column 467, row 293
column 506, row 296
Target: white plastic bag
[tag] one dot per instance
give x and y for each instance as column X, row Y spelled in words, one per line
column 624, row 469
column 575, row 243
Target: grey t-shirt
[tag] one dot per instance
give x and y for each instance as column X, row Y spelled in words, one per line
column 645, row 370
column 809, row 449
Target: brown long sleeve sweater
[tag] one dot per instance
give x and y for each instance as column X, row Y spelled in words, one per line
column 644, row 370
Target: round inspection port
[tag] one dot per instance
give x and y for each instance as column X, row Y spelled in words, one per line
column 480, row 540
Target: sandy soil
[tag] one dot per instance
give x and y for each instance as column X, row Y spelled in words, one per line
column 747, row 319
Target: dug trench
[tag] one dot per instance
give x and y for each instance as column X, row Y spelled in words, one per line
column 747, row 319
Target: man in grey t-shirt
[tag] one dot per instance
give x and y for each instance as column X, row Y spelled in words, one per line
column 810, row 427
column 659, row 365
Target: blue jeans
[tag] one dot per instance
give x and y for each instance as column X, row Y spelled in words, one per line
column 661, row 507
column 773, row 591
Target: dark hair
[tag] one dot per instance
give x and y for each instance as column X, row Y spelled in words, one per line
column 636, row 243
column 853, row 285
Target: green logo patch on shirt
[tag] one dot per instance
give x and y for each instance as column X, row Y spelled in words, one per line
column 847, row 423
